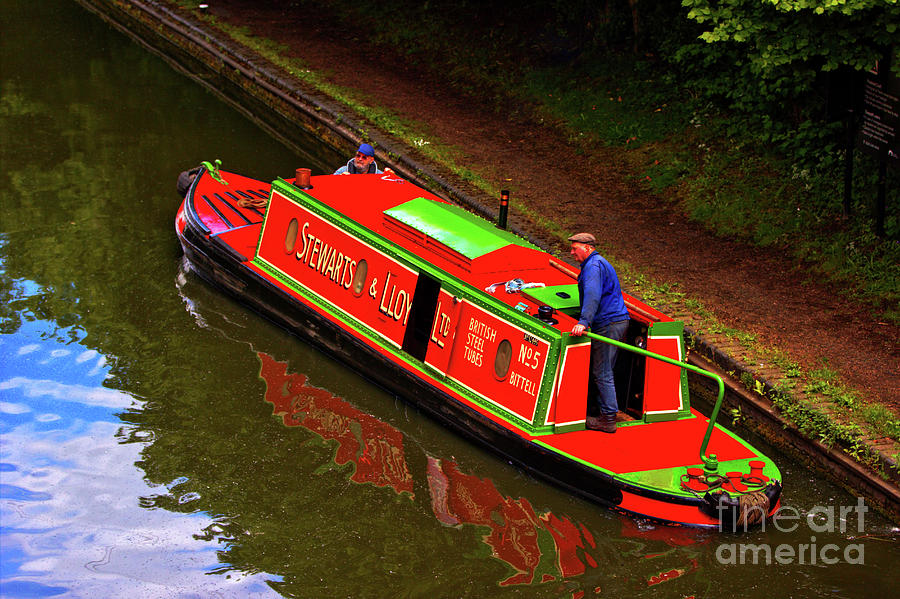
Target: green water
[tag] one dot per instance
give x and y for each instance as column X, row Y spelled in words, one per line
column 139, row 452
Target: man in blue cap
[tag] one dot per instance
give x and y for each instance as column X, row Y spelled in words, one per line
column 603, row 312
column 362, row 163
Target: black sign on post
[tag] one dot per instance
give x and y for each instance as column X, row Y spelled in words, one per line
column 878, row 134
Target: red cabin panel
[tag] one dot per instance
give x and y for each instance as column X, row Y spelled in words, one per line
column 569, row 403
column 499, row 361
column 339, row 268
column 443, row 331
column 662, row 382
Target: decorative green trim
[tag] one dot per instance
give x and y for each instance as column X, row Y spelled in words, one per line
column 548, row 380
column 675, row 328
column 568, row 428
column 770, row 469
column 668, row 328
column 670, row 478
column 410, row 259
column 651, row 417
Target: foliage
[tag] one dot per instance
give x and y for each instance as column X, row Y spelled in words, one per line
column 882, row 420
column 781, row 65
column 826, row 33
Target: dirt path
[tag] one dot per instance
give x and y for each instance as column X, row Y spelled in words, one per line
column 759, row 291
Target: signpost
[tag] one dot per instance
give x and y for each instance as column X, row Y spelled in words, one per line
column 881, row 114
column 878, row 134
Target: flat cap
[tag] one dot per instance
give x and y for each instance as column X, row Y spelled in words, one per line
column 584, row 238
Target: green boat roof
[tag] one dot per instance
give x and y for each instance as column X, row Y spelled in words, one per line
column 466, row 233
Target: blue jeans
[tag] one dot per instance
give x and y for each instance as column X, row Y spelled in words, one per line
column 603, row 360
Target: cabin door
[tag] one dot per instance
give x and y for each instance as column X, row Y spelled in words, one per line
column 421, row 316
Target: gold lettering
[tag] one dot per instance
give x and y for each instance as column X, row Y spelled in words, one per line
column 338, row 269
column 483, row 329
column 305, row 238
column 323, row 258
column 329, row 270
column 381, row 306
column 528, row 356
column 313, row 252
column 520, row 382
column 403, row 300
column 351, row 271
column 437, row 326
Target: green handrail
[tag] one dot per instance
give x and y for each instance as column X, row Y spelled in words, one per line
column 710, row 463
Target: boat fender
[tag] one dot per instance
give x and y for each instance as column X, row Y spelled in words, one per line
column 722, row 507
column 743, row 511
column 185, row 180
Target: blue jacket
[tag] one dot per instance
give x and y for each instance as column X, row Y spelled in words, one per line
column 599, row 293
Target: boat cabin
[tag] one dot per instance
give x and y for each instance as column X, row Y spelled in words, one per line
column 479, row 308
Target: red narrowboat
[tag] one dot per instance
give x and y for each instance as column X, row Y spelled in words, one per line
column 471, row 323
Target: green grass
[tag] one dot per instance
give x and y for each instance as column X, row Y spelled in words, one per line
column 882, row 420
column 677, row 146
column 606, row 101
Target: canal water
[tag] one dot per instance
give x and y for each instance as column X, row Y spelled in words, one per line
column 159, row 440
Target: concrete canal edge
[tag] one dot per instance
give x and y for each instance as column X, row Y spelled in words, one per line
column 279, row 103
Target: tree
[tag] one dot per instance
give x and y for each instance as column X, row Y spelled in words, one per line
column 829, row 33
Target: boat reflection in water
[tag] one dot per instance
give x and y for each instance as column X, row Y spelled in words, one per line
column 517, row 532
column 374, row 447
column 539, row 546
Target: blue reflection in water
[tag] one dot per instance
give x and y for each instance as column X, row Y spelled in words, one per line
column 69, row 489
column 27, row 588
column 19, row 494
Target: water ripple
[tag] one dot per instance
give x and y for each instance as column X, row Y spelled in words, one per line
column 188, row 497
column 93, row 396
column 14, row 493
